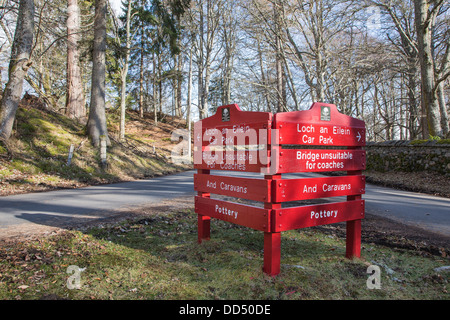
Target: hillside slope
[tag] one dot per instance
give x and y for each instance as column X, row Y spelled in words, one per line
column 35, row 158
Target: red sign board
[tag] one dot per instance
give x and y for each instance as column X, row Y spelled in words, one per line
column 313, row 188
column 243, row 215
column 321, row 125
column 315, row 215
column 243, row 133
column 299, row 141
column 245, row 188
column 320, row 160
column 232, row 140
column 232, row 160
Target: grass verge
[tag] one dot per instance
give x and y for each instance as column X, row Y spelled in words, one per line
column 155, row 256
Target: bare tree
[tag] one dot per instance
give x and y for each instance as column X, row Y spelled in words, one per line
column 425, row 18
column 207, row 50
column 75, row 102
column 18, row 66
column 96, row 126
column 403, row 39
column 124, row 72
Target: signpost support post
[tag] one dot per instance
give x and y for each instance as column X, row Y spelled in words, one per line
column 272, row 240
column 203, row 222
column 353, row 227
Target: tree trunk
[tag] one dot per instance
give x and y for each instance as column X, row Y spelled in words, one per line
column 263, row 77
column 281, row 101
column 413, row 112
column 123, row 92
column 141, row 84
column 443, row 110
column 179, row 85
column 424, row 25
column 75, row 103
column 96, row 126
column 18, row 66
column 189, row 92
column 155, row 94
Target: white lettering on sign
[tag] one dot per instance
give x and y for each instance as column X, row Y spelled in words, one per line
column 307, row 140
column 327, row 187
column 324, row 214
column 325, row 140
column 311, row 189
column 226, row 187
column 336, row 187
column 211, row 132
column 309, row 129
column 311, row 157
column 211, row 184
column 226, row 211
column 342, row 131
column 327, row 134
column 230, row 187
column 227, row 136
column 239, row 157
column 307, row 155
column 231, row 166
column 240, row 128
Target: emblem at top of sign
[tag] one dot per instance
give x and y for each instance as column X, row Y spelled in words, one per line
column 225, row 114
column 325, row 113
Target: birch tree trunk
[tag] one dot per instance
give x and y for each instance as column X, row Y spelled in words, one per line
column 75, row 103
column 188, row 107
column 179, row 85
column 189, row 93
column 202, row 111
column 281, row 93
column 123, row 90
column 96, row 126
column 424, row 16
column 18, row 66
column 141, row 84
column 443, row 110
column 155, row 93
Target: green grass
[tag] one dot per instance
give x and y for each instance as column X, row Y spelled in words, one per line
column 157, row 257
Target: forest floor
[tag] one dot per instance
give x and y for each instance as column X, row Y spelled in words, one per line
column 423, row 182
column 36, row 156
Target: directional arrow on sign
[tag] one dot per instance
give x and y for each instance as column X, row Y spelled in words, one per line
column 358, row 136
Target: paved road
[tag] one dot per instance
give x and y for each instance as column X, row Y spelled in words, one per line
column 57, row 207
column 54, row 208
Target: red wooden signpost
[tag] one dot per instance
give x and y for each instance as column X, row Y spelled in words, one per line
column 299, row 141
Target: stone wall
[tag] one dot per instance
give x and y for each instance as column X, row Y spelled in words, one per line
column 408, row 156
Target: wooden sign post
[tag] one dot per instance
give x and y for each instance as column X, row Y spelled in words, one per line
column 316, row 140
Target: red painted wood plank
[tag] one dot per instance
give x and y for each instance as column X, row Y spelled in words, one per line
column 313, row 188
column 239, row 160
column 315, row 215
column 312, row 127
column 236, row 128
column 252, row 189
column 243, row 133
column 235, row 115
column 320, row 160
column 243, row 215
